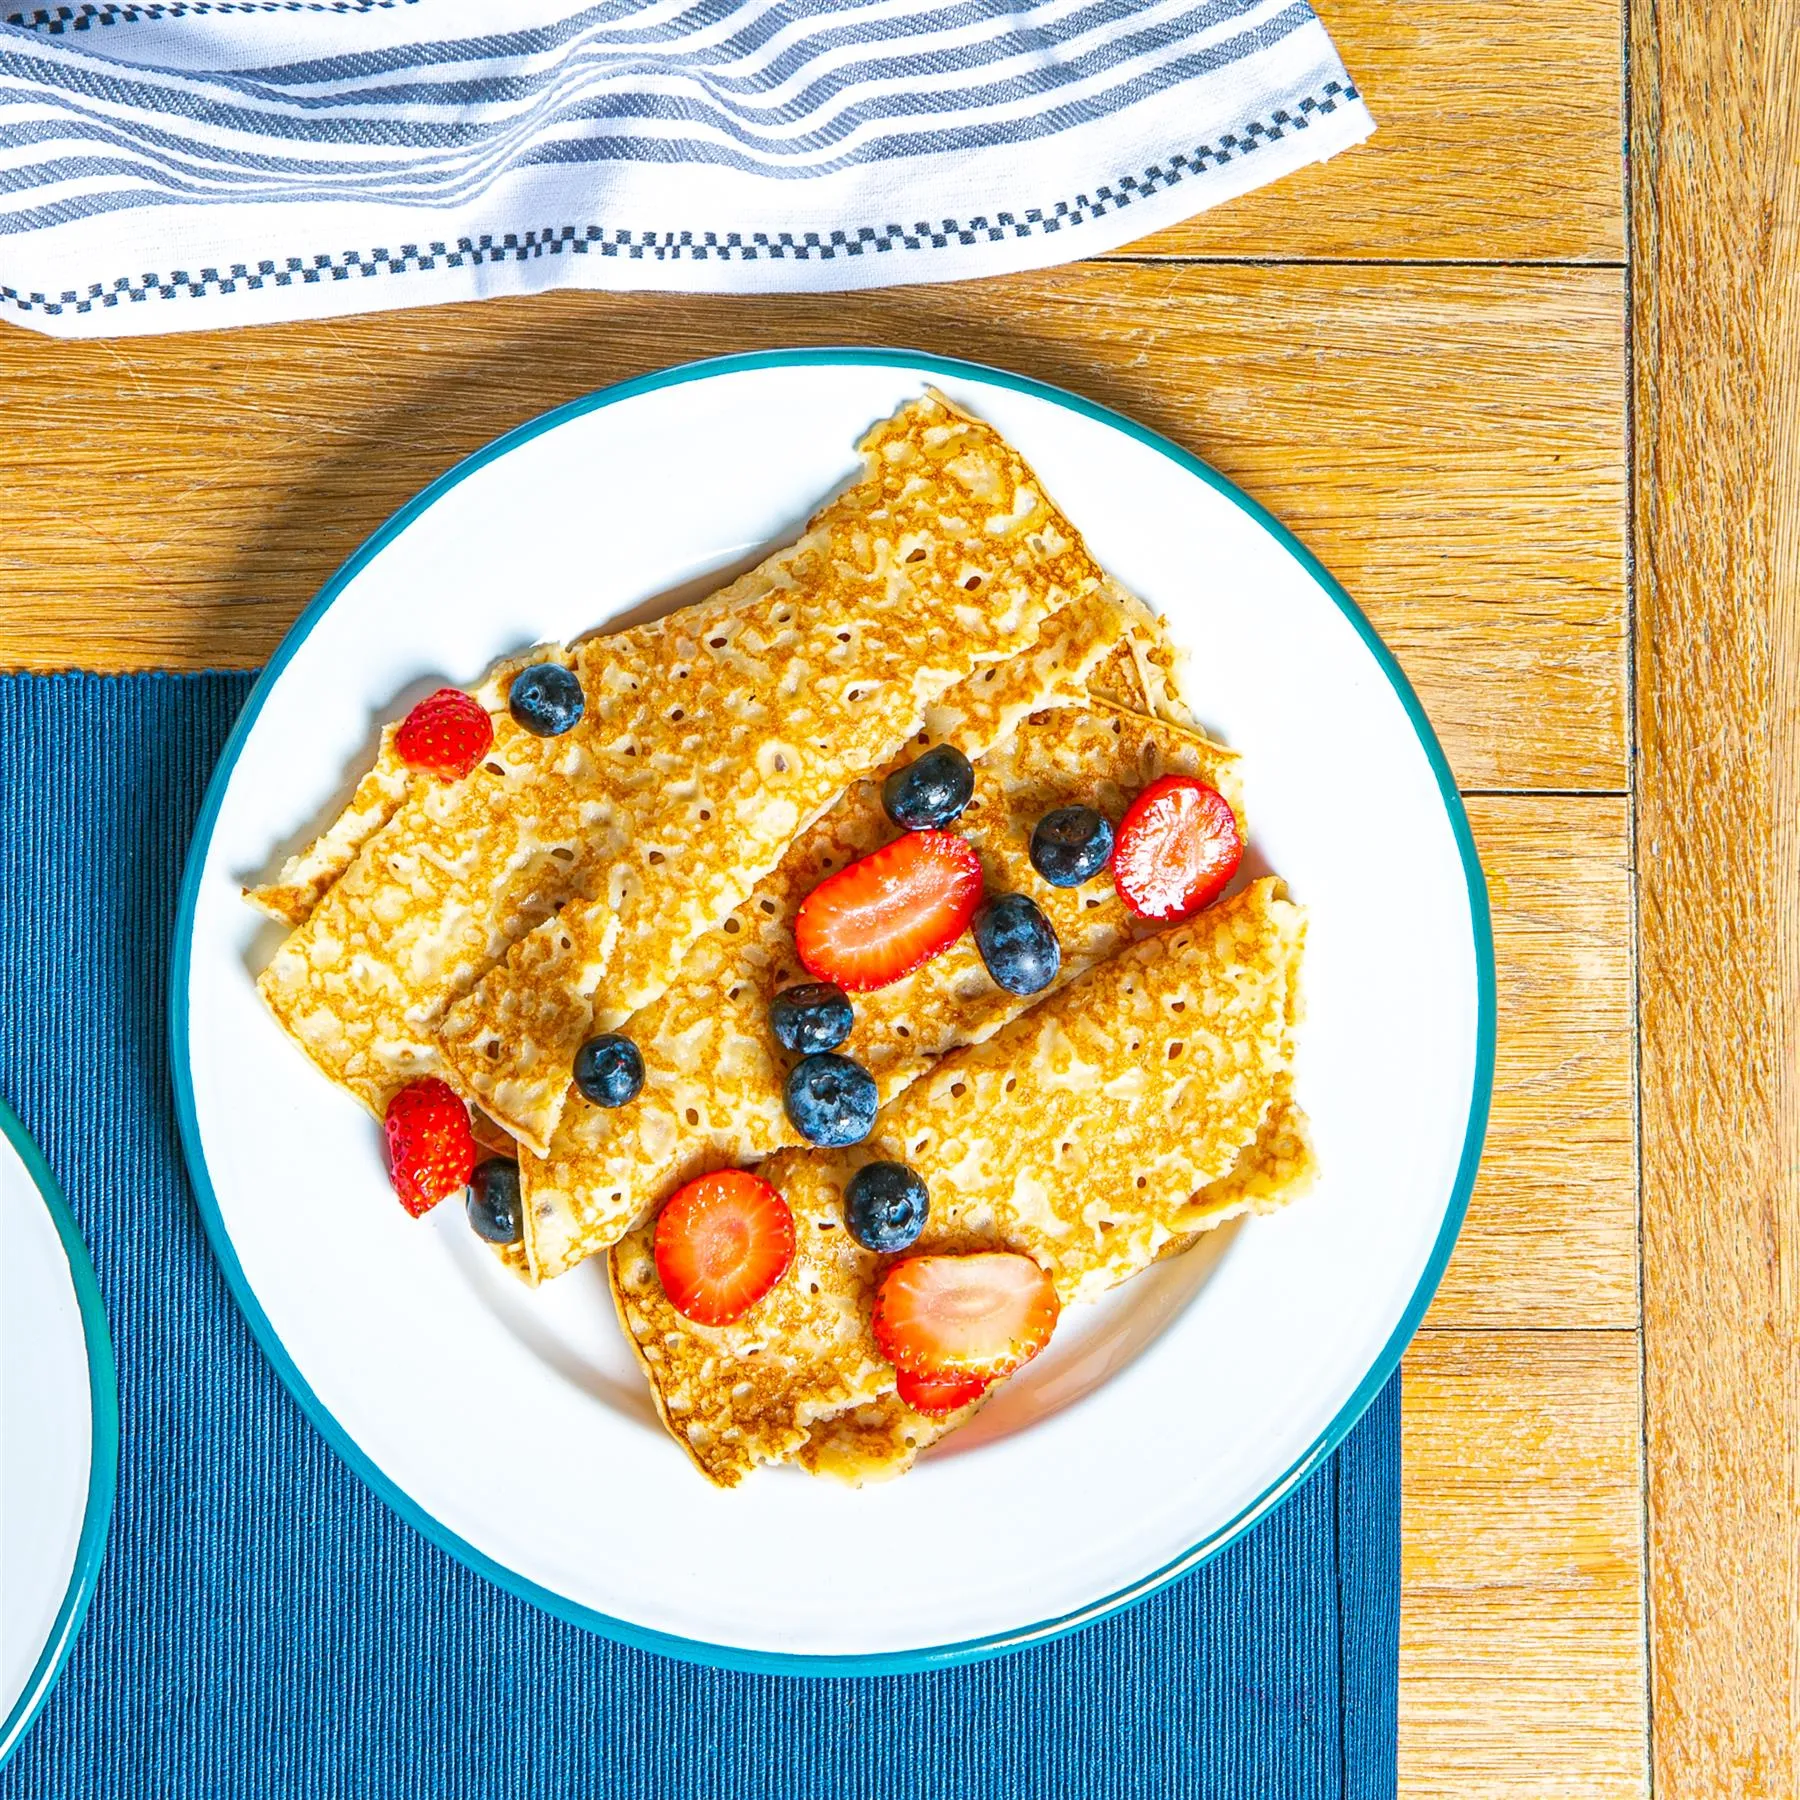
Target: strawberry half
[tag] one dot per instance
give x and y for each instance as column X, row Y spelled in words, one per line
column 721, row 1243
column 1178, row 847
column 947, row 1318
column 431, row 1150
column 889, row 912
column 446, row 734
column 936, row 1398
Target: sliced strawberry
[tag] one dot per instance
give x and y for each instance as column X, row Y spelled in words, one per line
column 936, row 1398
column 721, row 1243
column 446, row 734
column 1177, row 849
column 947, row 1317
column 431, row 1150
column 889, row 912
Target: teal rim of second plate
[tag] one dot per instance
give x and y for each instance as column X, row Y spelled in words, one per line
column 103, row 1448
column 889, row 1662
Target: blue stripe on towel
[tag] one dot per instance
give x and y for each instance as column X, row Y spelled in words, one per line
column 305, row 146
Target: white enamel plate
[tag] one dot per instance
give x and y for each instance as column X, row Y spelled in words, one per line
column 513, row 1427
column 59, row 1432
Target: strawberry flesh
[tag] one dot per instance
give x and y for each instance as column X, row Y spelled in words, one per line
column 446, row 734
column 1177, row 849
column 936, row 1398
column 431, row 1148
column 946, row 1318
column 890, row 912
column 722, row 1242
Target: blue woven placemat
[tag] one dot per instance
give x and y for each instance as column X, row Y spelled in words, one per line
column 264, row 1626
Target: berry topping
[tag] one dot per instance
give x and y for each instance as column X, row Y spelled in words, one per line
column 946, row 1317
column 431, row 1150
column 493, row 1202
column 1071, row 845
column 609, row 1069
column 1178, row 849
column 831, row 1100
column 721, row 1243
column 545, row 699
column 814, row 1016
column 937, row 1398
column 1018, row 944
column 885, row 1206
column 446, row 734
column 889, row 912
column 931, row 790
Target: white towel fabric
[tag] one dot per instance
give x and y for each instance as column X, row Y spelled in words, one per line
column 179, row 166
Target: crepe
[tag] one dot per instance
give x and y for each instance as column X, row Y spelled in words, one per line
column 1085, row 1133
column 713, row 1073
column 711, row 738
column 1110, row 645
column 882, row 1438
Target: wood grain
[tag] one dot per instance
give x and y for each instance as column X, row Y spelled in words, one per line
column 1499, row 136
column 1551, row 1237
column 176, row 501
column 1717, row 329
column 1522, row 1632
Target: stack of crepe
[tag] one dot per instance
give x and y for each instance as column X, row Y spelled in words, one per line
column 641, row 873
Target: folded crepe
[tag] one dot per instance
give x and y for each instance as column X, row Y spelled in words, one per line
column 482, row 928
column 1110, row 645
column 881, row 1439
column 1144, row 1102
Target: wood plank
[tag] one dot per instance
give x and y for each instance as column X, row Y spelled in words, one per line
column 1499, row 137
column 175, row 501
column 1716, row 148
column 1522, row 1629
column 1551, row 1237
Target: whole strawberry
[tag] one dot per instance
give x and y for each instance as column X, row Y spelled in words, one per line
column 446, row 734
column 431, row 1149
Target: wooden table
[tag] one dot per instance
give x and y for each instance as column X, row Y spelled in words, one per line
column 1420, row 356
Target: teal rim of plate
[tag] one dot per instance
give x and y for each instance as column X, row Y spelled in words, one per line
column 103, row 1448
column 776, row 1662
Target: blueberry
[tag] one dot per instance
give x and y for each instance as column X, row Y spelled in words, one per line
column 493, row 1201
column 1071, row 845
column 929, row 791
column 885, row 1206
column 609, row 1070
column 545, row 699
column 1018, row 944
column 812, row 1017
column 831, row 1100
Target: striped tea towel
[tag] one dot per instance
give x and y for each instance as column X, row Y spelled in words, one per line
column 175, row 166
